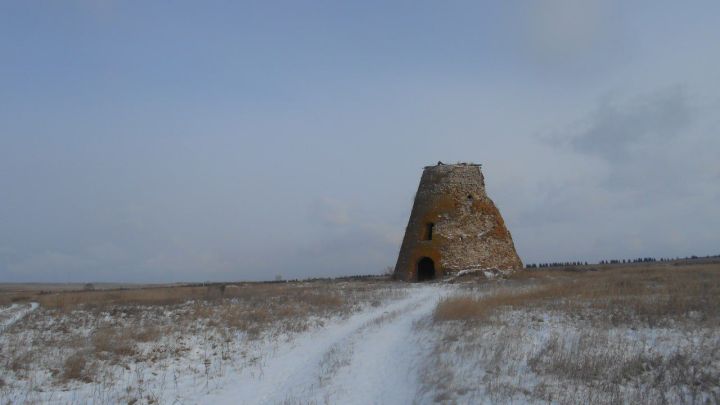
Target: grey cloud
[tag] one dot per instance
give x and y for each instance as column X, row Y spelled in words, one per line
column 650, row 163
column 615, row 128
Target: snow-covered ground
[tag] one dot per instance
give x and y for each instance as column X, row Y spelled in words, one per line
column 369, row 356
column 535, row 356
column 377, row 343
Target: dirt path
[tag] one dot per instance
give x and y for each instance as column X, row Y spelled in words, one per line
column 370, row 358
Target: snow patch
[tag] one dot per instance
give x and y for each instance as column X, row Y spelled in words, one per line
column 489, row 273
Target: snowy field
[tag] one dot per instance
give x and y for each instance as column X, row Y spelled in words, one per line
column 646, row 335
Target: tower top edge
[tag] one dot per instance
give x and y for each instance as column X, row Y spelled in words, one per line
column 458, row 164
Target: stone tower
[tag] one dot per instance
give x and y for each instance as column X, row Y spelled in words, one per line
column 454, row 226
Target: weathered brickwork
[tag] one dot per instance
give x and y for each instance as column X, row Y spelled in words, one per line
column 455, row 224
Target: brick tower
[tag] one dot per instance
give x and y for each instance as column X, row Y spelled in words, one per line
column 454, row 226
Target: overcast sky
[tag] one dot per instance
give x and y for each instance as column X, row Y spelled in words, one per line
column 187, row 141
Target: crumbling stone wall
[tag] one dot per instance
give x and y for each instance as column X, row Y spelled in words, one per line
column 468, row 231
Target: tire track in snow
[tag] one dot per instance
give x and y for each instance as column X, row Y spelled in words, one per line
column 385, row 359
column 372, row 347
column 340, row 355
column 14, row 313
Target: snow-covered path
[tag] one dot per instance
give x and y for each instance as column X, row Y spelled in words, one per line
column 14, row 313
column 369, row 358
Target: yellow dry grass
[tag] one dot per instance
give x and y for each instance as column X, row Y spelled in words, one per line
column 650, row 293
column 143, row 296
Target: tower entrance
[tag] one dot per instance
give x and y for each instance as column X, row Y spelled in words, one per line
column 425, row 269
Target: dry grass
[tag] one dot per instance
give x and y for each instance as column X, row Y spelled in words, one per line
column 113, row 343
column 471, row 307
column 74, row 367
column 173, row 295
column 652, row 295
column 19, row 361
column 461, row 308
column 67, row 301
column 147, row 334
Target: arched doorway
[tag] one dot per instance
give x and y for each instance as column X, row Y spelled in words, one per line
column 425, row 269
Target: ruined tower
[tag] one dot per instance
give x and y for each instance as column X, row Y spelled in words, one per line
column 454, row 226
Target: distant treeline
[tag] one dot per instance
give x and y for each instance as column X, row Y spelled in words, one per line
column 617, row 261
column 554, row 264
column 280, row 280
